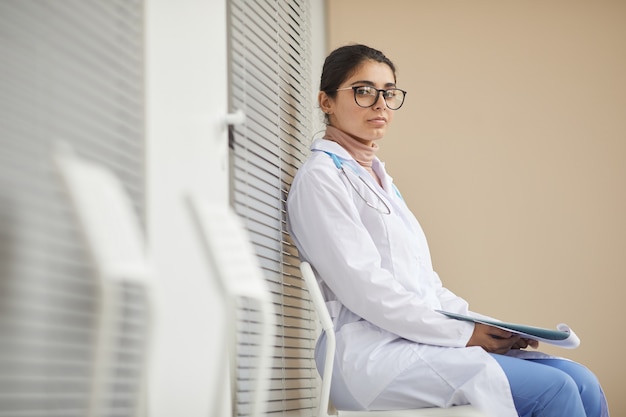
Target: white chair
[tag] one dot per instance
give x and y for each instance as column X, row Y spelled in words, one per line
column 117, row 249
column 325, row 407
column 234, row 265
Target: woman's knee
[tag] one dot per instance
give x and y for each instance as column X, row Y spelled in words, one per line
column 585, row 379
column 560, row 395
column 540, row 390
column 587, row 384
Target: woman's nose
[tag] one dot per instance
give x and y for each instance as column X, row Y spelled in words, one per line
column 380, row 101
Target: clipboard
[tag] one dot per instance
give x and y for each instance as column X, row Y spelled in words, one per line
column 562, row 336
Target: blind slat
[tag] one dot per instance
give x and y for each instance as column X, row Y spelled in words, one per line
column 270, row 82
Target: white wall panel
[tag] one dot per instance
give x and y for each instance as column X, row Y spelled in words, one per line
column 187, row 152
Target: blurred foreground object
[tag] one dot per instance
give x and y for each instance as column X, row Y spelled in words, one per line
column 116, row 245
column 235, row 268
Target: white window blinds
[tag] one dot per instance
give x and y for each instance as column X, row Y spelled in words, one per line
column 70, row 71
column 270, row 82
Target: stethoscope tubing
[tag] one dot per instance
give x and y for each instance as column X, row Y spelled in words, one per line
column 340, row 165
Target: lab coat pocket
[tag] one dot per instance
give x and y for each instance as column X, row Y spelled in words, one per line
column 369, row 358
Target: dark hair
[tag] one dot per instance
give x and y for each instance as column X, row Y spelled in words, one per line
column 341, row 63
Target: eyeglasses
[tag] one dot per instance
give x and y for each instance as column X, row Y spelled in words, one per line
column 366, row 96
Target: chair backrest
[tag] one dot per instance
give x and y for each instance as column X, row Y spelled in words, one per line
column 231, row 257
column 106, row 217
column 117, row 248
column 327, row 325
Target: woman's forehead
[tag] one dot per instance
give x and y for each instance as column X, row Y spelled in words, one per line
column 372, row 72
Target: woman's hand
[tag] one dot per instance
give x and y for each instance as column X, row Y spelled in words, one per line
column 493, row 340
column 523, row 343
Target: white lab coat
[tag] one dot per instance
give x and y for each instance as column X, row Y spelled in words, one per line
column 376, row 273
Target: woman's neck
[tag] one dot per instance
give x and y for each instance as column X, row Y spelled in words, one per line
column 362, row 153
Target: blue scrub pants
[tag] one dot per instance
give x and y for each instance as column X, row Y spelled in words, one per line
column 552, row 387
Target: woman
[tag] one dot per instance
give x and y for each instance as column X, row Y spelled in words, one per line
column 370, row 255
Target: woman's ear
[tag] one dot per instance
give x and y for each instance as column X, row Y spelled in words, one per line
column 325, row 102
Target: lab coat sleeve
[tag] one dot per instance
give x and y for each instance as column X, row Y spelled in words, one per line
column 326, row 227
column 450, row 301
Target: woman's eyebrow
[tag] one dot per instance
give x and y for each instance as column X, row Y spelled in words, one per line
column 367, row 82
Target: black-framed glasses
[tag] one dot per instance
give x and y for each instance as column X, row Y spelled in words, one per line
column 366, row 96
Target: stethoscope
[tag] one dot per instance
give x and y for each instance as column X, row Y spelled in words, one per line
column 339, row 164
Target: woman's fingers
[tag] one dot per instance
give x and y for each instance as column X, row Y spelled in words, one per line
column 492, row 339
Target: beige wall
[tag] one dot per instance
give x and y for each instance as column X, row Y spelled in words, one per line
column 511, row 151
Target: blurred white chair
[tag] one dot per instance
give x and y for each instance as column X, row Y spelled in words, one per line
column 325, row 407
column 117, row 249
column 235, row 267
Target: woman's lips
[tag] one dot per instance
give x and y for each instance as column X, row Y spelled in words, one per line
column 378, row 121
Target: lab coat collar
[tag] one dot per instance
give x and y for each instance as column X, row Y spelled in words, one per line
column 325, row 145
